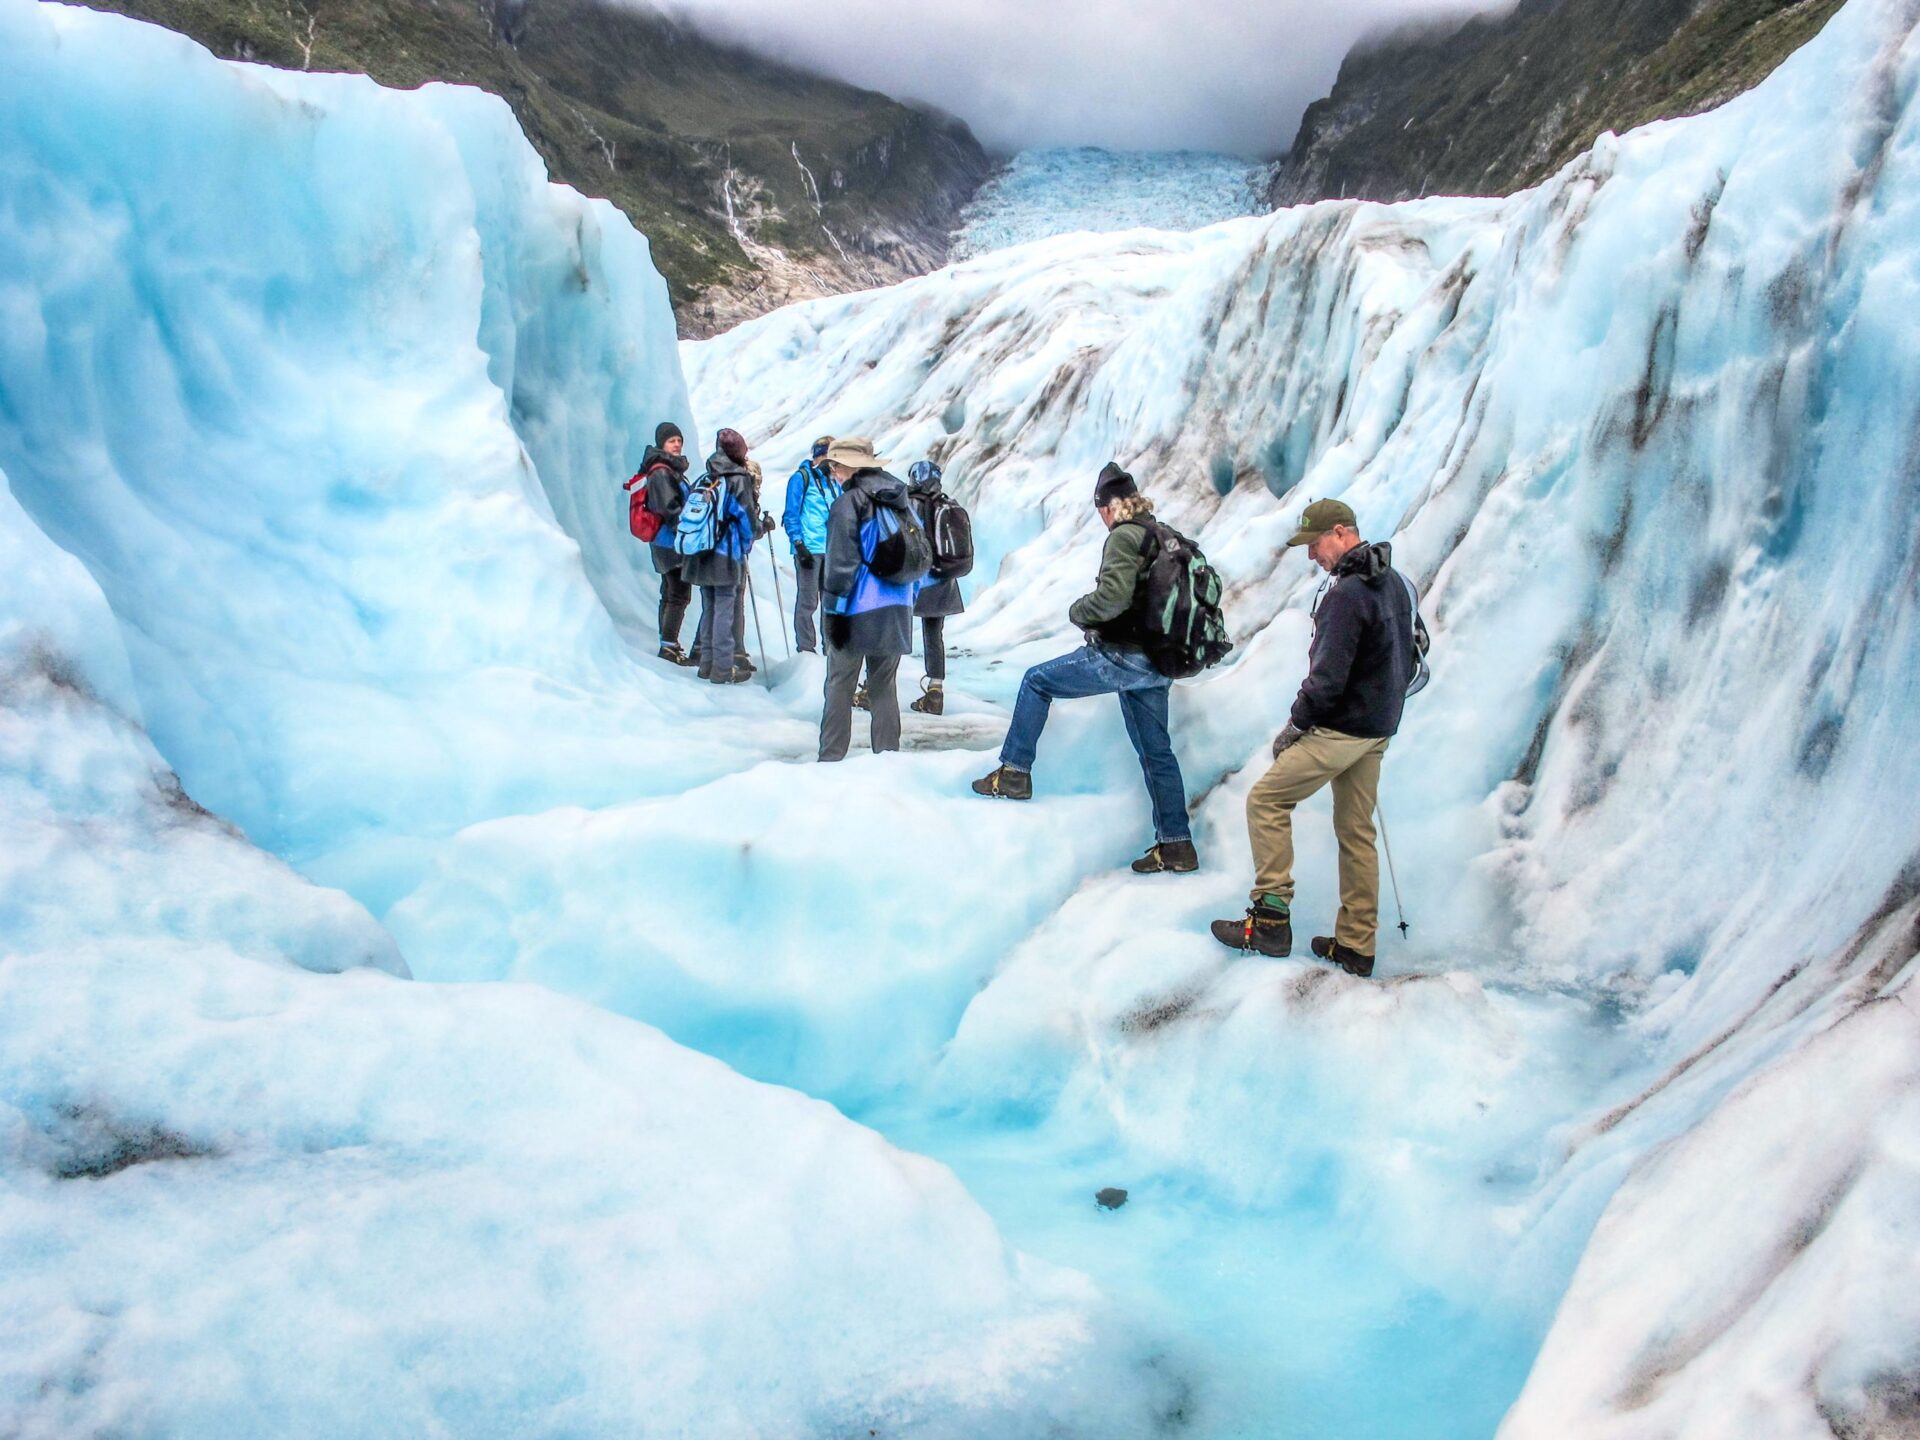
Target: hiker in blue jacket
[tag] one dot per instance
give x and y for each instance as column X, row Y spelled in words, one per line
column 869, row 621
column 811, row 492
column 717, row 561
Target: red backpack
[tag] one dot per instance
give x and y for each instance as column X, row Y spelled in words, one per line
column 642, row 521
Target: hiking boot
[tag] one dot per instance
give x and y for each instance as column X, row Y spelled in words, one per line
column 1265, row 929
column 1006, row 783
column 1347, row 958
column 1177, row 857
column 931, row 702
column 674, row 654
column 860, row 698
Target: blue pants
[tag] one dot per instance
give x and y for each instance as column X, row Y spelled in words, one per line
column 1098, row 670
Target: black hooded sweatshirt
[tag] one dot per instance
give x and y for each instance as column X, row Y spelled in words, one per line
column 663, row 472
column 1362, row 657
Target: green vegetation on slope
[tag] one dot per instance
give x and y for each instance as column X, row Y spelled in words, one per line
column 1499, row 103
column 670, row 126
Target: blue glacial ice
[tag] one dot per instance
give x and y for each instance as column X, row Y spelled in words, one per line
column 314, row 523
column 1043, row 193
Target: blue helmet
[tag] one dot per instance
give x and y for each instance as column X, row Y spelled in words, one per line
column 923, row 473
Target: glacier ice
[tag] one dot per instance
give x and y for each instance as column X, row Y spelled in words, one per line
column 253, row 1180
column 325, row 506
column 1645, row 438
column 1042, row 193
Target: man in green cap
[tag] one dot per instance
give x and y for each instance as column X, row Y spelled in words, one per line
column 1362, row 660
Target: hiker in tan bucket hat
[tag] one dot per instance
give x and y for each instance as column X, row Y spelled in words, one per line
column 877, row 555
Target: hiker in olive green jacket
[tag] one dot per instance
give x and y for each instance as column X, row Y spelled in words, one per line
column 1112, row 662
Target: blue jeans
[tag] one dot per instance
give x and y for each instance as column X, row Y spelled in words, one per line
column 1098, row 670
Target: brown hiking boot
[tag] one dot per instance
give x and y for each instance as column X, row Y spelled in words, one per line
column 1006, row 783
column 1264, row 929
column 860, row 698
column 1348, row 959
column 1177, row 857
column 931, row 701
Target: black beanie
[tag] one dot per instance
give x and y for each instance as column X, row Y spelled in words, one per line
column 666, row 430
column 1113, row 484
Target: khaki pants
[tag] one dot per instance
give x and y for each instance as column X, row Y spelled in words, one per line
column 1353, row 765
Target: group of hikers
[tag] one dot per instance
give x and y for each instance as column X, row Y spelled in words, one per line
column 871, row 553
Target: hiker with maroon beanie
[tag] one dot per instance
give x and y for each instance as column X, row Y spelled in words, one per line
column 720, row 570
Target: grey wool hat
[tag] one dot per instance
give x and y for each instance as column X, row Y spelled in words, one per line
column 855, row 452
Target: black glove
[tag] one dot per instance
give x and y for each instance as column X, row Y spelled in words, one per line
column 839, row 631
column 1285, row 738
column 767, row 523
column 802, row 556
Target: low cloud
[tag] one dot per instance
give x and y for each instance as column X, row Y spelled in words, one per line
column 1232, row 76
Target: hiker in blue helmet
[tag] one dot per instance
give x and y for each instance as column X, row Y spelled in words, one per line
column 939, row 596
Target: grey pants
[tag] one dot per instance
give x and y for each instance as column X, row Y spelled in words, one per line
column 883, row 700
column 723, row 614
column 806, row 603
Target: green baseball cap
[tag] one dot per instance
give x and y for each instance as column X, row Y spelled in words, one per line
column 1320, row 517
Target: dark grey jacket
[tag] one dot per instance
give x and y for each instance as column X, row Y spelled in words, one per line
column 936, row 597
column 1362, row 656
column 864, row 614
column 713, row 568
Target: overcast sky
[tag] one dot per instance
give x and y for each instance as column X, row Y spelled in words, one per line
column 1230, row 75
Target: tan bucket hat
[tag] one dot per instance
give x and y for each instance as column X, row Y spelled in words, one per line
column 855, row 452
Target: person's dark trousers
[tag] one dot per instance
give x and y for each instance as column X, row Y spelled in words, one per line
column 675, row 595
column 883, row 700
column 1143, row 690
column 933, row 629
column 806, row 603
column 722, row 619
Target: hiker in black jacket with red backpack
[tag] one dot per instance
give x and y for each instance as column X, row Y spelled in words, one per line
column 1147, row 573
column 655, row 494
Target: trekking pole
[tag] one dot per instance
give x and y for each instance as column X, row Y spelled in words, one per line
column 780, row 603
column 1387, row 844
column 758, row 634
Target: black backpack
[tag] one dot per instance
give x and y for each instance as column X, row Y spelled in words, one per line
column 901, row 554
column 950, row 531
column 1177, row 606
column 1422, row 641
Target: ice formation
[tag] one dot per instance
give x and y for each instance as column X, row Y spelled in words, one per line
column 1042, row 193
column 313, row 398
column 1645, row 438
column 261, row 498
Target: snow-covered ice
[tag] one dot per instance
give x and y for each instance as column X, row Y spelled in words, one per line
column 312, row 519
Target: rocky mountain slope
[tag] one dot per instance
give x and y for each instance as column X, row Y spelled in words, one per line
column 756, row 183
column 1497, row 103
